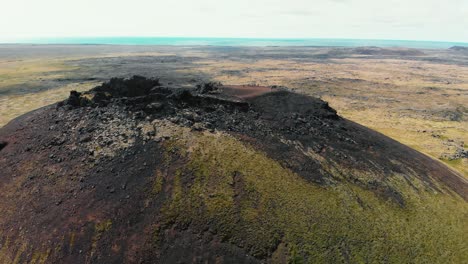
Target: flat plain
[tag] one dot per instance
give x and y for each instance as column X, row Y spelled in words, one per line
column 417, row 97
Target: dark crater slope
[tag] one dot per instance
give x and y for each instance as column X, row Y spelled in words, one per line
column 113, row 176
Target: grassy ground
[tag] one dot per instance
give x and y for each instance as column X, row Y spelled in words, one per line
column 12, row 106
column 254, row 202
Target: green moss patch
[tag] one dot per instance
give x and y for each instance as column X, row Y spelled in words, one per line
column 255, row 203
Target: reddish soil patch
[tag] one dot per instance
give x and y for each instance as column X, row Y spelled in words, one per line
column 245, row 91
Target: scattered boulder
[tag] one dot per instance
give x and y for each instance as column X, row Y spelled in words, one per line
column 209, row 88
column 76, row 99
column 153, row 107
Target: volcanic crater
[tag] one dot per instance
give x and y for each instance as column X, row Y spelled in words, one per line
column 135, row 171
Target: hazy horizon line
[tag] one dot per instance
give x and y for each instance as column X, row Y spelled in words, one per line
column 23, row 40
column 236, row 42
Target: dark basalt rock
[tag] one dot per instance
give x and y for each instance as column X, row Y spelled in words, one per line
column 211, row 87
column 120, row 87
column 141, row 94
column 75, row 99
column 135, row 87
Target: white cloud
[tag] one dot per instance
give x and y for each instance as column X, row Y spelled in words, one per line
column 390, row 19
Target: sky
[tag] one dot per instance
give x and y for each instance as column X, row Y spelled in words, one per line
column 438, row 20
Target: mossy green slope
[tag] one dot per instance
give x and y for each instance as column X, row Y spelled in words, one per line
column 255, row 203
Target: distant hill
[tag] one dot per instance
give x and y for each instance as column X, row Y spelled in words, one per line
column 136, row 172
column 459, row 48
column 388, row 51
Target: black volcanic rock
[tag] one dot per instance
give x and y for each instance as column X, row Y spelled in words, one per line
column 135, row 86
column 211, row 87
column 135, row 172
